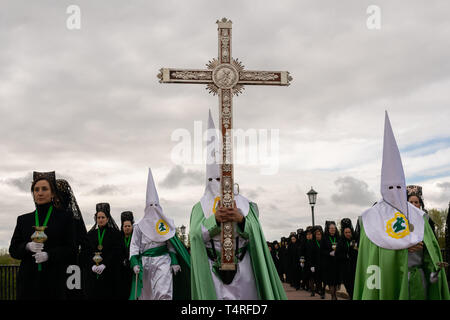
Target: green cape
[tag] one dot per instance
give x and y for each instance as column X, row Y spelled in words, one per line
column 181, row 280
column 382, row 274
column 267, row 280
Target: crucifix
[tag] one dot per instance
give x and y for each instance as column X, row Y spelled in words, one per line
column 225, row 77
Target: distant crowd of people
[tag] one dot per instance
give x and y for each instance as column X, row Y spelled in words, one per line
column 314, row 258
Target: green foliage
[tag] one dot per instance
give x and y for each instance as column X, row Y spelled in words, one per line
column 439, row 218
column 5, row 258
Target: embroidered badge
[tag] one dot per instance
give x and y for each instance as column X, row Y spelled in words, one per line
column 161, row 227
column 397, row 227
column 216, row 200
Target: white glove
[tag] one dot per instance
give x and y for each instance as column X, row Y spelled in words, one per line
column 332, row 253
column 175, row 268
column 136, row 269
column 41, row 257
column 434, row 277
column 94, row 268
column 313, row 269
column 100, row 268
column 34, row 246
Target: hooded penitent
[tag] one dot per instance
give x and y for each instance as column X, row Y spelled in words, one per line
column 155, row 224
column 211, row 197
column 393, row 223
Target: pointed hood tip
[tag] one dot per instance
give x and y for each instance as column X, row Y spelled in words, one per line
column 152, row 193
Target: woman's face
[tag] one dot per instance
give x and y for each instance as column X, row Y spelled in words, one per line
column 293, row 240
column 127, row 227
column 318, row 236
column 42, row 192
column 309, row 236
column 414, row 200
column 348, row 233
column 102, row 220
column 332, row 230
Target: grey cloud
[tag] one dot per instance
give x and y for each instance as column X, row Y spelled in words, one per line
column 353, row 191
column 179, row 176
column 22, row 183
column 106, row 189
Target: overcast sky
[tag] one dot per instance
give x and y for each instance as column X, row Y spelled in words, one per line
column 87, row 103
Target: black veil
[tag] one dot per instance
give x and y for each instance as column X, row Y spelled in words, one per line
column 104, row 207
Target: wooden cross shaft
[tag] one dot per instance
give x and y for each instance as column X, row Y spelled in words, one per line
column 225, row 77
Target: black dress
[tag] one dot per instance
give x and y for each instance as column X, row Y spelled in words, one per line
column 329, row 263
column 347, row 257
column 294, row 265
column 126, row 272
column 105, row 285
column 284, row 261
column 316, row 261
column 308, row 255
column 50, row 282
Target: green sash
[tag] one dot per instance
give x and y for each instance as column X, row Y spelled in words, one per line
column 137, row 260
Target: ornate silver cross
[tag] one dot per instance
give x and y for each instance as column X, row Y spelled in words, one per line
column 225, row 77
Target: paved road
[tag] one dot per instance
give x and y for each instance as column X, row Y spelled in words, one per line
column 293, row 294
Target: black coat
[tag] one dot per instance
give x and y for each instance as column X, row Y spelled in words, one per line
column 307, row 254
column 106, row 285
column 50, row 283
column 126, row 272
column 329, row 263
column 294, row 264
column 315, row 260
column 347, row 257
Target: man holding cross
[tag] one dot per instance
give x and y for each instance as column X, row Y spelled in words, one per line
column 255, row 276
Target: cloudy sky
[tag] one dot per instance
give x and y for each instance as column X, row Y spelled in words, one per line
column 86, row 102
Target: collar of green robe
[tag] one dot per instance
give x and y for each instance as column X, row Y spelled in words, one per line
column 136, row 260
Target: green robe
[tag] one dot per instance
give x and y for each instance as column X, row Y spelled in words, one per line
column 382, row 274
column 268, row 283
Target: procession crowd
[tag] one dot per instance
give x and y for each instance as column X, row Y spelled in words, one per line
column 313, row 259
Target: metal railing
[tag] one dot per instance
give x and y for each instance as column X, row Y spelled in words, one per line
column 8, row 277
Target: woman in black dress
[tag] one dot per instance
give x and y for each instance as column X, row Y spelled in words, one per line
column 105, row 240
column 347, row 256
column 316, row 262
column 126, row 272
column 294, row 265
column 42, row 271
column 328, row 248
column 69, row 204
column 307, row 256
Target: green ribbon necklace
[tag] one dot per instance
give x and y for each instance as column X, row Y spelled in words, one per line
column 127, row 241
column 318, row 244
column 332, row 242
column 36, row 219
column 100, row 239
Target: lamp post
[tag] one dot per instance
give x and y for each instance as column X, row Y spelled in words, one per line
column 183, row 233
column 312, row 196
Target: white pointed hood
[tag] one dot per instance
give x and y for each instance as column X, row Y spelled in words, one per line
column 212, row 187
column 388, row 223
column 155, row 224
column 393, row 185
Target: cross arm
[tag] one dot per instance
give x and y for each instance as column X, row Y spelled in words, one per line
column 169, row 75
column 276, row 78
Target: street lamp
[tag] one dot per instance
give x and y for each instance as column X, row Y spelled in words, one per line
column 312, row 196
